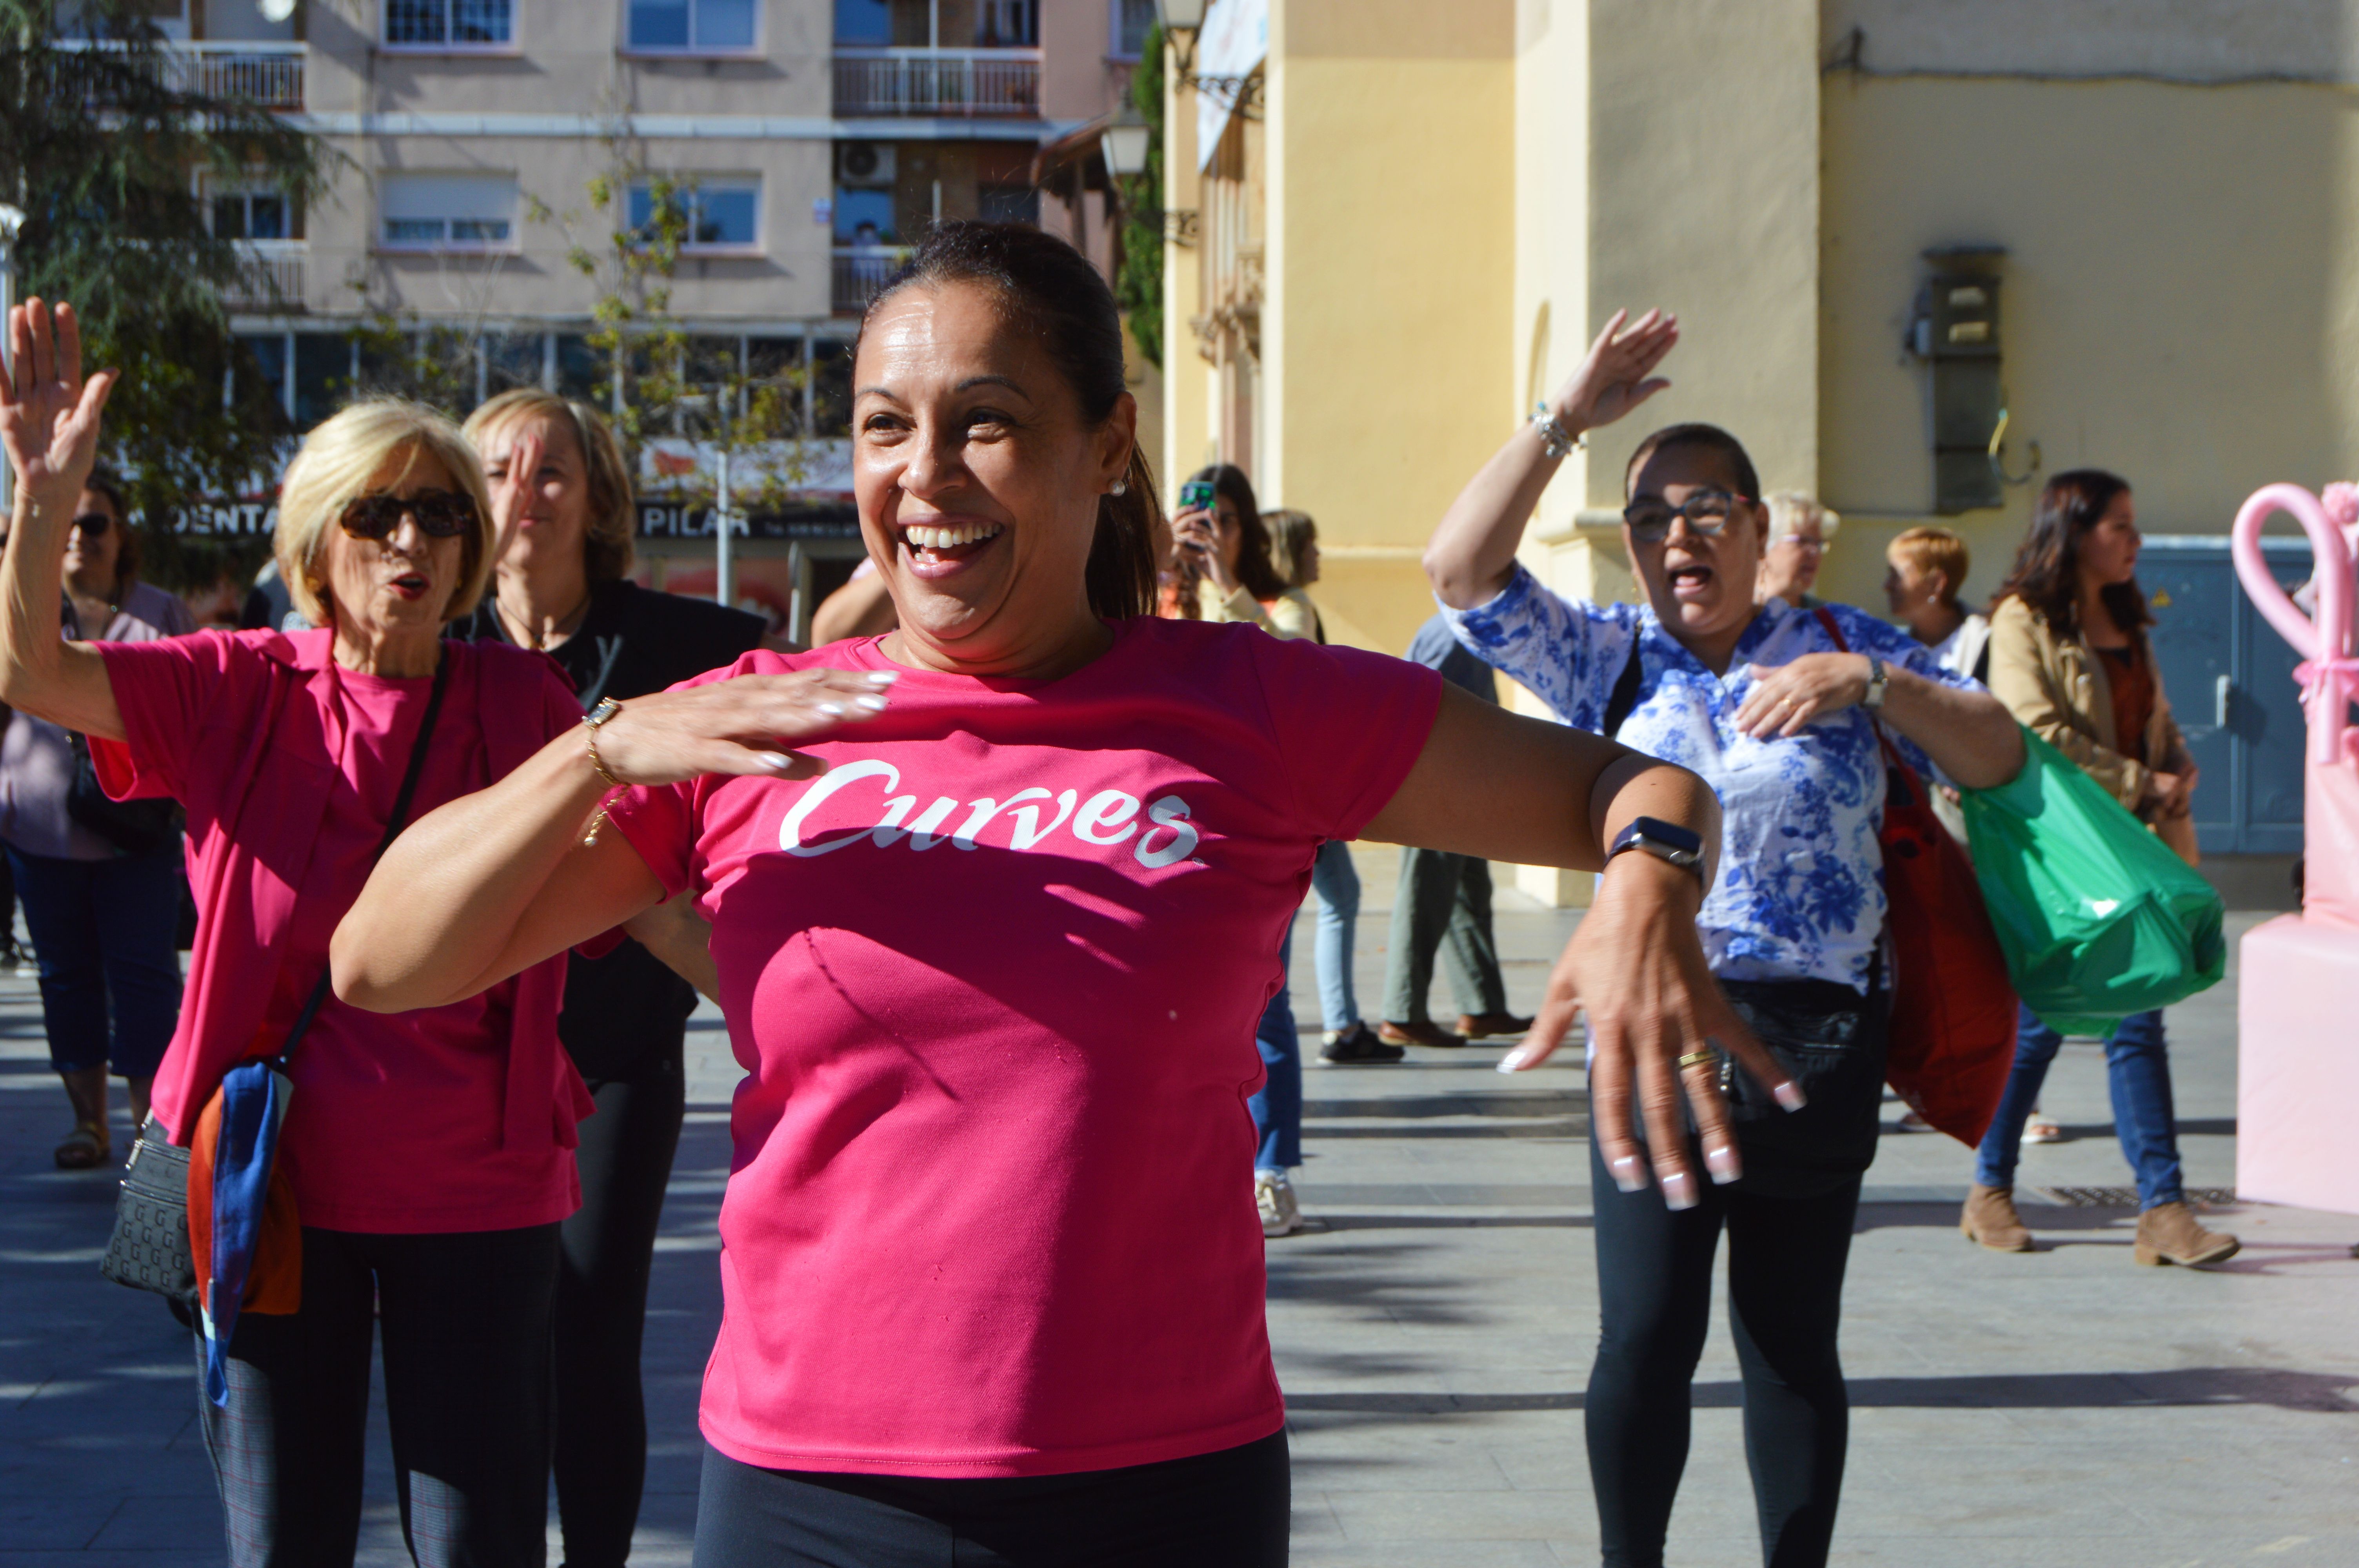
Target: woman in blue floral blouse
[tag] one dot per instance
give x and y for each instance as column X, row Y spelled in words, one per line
column 1777, row 707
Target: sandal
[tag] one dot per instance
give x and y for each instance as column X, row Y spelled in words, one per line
column 86, row 1148
column 2042, row 1131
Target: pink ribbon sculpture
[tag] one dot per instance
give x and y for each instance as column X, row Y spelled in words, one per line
column 2298, row 974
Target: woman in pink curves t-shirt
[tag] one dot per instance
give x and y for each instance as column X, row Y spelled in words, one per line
column 995, row 903
column 429, row 1156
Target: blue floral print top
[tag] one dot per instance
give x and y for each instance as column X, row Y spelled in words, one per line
column 1801, row 891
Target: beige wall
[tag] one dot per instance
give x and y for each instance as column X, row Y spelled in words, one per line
column 1385, row 335
column 2178, row 302
column 1187, row 379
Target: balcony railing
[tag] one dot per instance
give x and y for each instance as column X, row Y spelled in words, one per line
column 266, row 73
column 861, row 271
column 966, row 84
column 272, row 277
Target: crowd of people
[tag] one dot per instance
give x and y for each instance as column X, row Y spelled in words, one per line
column 471, row 819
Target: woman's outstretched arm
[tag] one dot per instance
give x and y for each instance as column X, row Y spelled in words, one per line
column 1493, row 783
column 1473, row 552
column 492, row 884
column 49, row 423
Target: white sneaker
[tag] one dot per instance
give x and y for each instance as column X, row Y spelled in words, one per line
column 1280, row 1214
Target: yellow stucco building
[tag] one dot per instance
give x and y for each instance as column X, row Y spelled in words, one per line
column 1404, row 225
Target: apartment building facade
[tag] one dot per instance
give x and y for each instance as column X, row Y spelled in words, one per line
column 807, row 144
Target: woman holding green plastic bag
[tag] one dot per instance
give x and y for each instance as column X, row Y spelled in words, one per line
column 2070, row 658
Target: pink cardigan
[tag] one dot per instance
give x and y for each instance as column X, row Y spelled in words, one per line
column 255, row 797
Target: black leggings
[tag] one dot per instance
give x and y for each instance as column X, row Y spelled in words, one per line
column 464, row 1318
column 1786, row 1258
column 1228, row 1509
column 602, row 1305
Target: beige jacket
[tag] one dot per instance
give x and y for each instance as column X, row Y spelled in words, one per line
column 2057, row 687
column 1290, row 616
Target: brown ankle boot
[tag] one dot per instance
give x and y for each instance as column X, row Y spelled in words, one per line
column 2167, row 1233
column 1990, row 1221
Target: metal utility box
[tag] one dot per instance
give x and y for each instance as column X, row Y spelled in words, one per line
column 1956, row 332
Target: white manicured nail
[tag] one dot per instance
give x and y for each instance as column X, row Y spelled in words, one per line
column 1626, row 1174
column 777, row 761
column 1789, row 1095
column 1515, row 1060
column 883, row 677
column 874, row 704
column 832, row 710
column 1721, row 1161
column 1679, row 1190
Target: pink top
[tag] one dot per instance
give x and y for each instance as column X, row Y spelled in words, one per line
column 450, row 1119
column 993, row 979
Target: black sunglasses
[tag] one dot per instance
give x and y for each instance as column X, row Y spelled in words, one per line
column 1707, row 512
column 93, row 524
column 440, row 515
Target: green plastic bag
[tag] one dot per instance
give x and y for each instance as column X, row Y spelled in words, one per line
column 2098, row 917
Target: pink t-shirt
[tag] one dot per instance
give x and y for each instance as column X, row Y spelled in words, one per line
column 993, row 978
column 397, row 1120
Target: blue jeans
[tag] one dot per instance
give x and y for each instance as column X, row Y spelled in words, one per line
column 2138, row 1069
column 1278, row 1108
column 1337, row 885
column 106, row 934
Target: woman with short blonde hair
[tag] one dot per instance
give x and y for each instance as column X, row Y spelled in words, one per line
column 353, row 452
column 429, row 1156
column 1799, row 530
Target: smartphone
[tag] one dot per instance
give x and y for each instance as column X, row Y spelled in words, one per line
column 1196, row 494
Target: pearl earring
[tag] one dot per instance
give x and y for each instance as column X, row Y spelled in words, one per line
column 1120, row 487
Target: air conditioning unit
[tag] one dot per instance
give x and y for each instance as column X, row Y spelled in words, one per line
column 868, row 165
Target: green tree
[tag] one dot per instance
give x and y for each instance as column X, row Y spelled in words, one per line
column 107, row 141
column 1138, row 281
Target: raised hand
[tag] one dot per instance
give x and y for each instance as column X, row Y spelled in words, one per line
column 1618, row 373
column 1636, row 963
column 745, row 726
column 1786, row 697
column 515, row 475
column 49, row 413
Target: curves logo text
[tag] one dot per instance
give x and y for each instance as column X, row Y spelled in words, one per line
column 1165, row 836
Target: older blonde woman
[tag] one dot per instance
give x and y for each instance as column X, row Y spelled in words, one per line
column 1801, row 529
column 561, row 587
column 429, row 1154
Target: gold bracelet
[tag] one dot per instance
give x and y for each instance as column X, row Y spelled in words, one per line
column 607, row 708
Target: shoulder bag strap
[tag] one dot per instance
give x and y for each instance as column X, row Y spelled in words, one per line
column 1624, row 696
column 393, row 824
column 1895, row 769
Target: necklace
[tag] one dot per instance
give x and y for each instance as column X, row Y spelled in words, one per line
column 532, row 636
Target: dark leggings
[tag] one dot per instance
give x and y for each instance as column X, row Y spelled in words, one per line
column 1786, row 1258
column 464, row 1317
column 602, row 1305
column 1224, row 1509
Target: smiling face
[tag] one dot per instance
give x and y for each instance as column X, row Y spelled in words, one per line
column 1701, row 586
column 978, row 481
column 90, row 558
column 2107, row 554
column 400, row 585
column 554, row 525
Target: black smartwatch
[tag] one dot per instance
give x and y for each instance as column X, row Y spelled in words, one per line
column 1664, row 840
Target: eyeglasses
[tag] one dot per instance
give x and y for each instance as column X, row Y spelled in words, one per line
column 439, row 514
column 93, row 524
column 1707, row 512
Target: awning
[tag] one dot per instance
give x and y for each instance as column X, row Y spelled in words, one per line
column 1232, row 43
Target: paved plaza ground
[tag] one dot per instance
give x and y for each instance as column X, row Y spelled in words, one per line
column 1434, row 1335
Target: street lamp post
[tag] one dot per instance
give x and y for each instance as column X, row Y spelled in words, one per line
column 1180, row 17
column 1125, row 143
column 11, row 220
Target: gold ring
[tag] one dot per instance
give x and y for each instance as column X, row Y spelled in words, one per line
column 1695, row 1059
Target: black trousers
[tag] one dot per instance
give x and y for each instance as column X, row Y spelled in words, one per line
column 465, row 1319
column 1789, row 1224
column 608, row 1254
column 1226, row 1509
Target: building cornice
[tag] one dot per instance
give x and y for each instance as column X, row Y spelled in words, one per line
column 678, row 128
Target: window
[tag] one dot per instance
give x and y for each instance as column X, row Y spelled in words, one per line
column 449, row 212
column 450, row 24
column 1132, row 19
column 1008, row 203
column 1007, row 23
column 703, row 25
column 863, row 22
column 253, row 215
column 721, row 215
